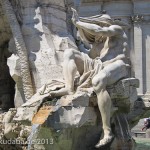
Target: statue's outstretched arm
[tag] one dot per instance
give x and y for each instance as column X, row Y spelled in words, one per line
column 91, row 28
column 113, row 30
column 94, row 29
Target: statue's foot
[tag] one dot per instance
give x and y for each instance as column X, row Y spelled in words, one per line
column 61, row 92
column 104, row 141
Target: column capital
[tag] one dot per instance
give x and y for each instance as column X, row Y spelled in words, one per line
column 137, row 18
column 140, row 18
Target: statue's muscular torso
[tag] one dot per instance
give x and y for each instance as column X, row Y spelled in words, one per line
column 110, row 47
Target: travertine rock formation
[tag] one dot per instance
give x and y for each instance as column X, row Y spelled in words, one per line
column 45, row 31
column 20, row 48
column 71, row 121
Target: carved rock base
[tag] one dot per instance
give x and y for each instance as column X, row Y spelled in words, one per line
column 72, row 122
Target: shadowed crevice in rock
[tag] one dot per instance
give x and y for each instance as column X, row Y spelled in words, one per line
column 7, row 84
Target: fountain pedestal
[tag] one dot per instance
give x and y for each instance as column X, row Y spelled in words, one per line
column 74, row 121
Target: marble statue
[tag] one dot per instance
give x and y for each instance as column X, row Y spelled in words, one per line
column 104, row 65
column 95, row 72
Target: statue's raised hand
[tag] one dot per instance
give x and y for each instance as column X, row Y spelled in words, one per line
column 75, row 17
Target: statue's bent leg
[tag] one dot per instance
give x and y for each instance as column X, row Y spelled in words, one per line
column 109, row 75
column 104, row 103
column 73, row 62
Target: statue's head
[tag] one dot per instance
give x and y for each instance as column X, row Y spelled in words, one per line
column 104, row 20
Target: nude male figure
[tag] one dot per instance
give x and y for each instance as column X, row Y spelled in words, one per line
column 108, row 45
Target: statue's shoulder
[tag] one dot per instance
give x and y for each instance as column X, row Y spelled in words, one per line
column 116, row 27
column 117, row 30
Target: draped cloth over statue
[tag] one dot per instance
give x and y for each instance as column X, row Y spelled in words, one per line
column 91, row 68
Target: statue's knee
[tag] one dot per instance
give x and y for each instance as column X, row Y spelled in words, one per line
column 99, row 81
column 95, row 81
column 68, row 53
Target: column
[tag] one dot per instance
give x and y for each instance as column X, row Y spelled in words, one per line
column 138, row 63
column 146, row 37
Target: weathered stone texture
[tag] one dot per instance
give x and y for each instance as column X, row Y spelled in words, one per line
column 71, row 122
column 45, row 30
column 74, row 122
